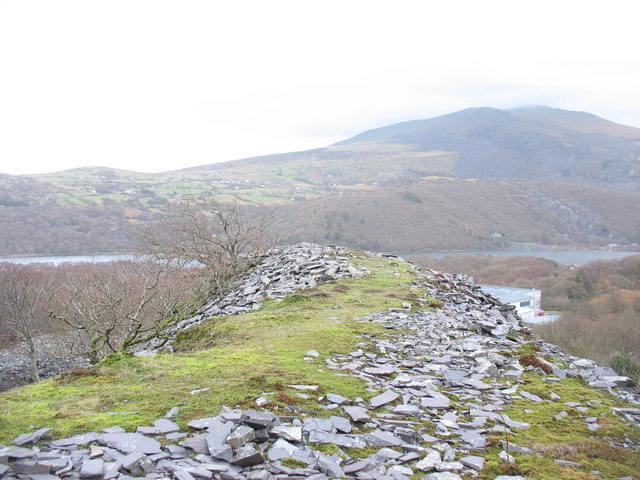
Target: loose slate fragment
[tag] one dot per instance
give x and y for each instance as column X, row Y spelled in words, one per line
column 444, row 476
column 130, row 443
column 384, row 398
column 382, row 439
column 530, row 396
column 240, row 436
column 428, row 463
column 247, row 456
column 435, row 403
column 337, row 399
column 473, row 461
column 341, row 424
column 165, row 426
column 92, row 468
column 17, row 453
column 82, row 439
column 258, row 419
column 292, row 434
column 30, row 467
column 357, row 414
column 33, row 437
column 204, row 423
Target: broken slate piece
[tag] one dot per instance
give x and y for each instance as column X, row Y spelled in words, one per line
column 357, row 466
column 530, row 396
column 258, row 419
column 443, row 476
column 337, row 399
column 292, row 434
column 247, row 456
column 92, row 468
column 380, row 438
column 130, row 443
column 165, row 426
column 379, row 371
column 341, row 424
column 30, row 467
column 412, row 410
column 428, row 463
column 17, row 453
column 281, row 449
column 33, row 437
column 240, row 436
column 223, row 452
column 436, row 403
column 473, row 461
column 82, row 439
column 322, row 424
column 449, row 467
column 173, row 413
column 357, row 414
column 204, row 423
column 330, row 467
column 384, row 398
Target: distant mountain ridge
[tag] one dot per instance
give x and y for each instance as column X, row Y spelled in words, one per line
column 478, row 178
column 524, row 143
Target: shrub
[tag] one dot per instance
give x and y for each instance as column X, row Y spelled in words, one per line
column 624, row 365
column 411, row 197
column 533, row 361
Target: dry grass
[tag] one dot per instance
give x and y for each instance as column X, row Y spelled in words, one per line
column 534, row 361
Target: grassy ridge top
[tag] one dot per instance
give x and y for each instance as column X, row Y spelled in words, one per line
column 236, row 358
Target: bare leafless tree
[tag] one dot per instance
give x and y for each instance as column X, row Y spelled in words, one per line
column 222, row 237
column 24, row 291
column 117, row 305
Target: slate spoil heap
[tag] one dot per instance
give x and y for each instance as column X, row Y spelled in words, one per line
column 440, row 382
column 280, row 271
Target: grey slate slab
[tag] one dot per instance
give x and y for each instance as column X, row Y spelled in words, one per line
column 92, row 468
column 357, row 414
column 131, row 442
column 383, row 399
column 247, row 456
column 33, row 437
column 17, row 452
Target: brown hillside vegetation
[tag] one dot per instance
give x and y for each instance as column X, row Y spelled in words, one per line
column 448, row 214
column 428, row 214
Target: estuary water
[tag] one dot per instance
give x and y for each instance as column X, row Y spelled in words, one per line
column 573, row 257
column 58, row 259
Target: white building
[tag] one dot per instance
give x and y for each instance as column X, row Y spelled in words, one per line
column 526, row 301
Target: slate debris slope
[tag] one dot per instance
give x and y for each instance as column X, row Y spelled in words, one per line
column 279, row 272
column 439, row 394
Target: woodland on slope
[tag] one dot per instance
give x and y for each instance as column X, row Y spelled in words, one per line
column 481, row 178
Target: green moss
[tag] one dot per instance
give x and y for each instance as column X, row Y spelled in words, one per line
column 236, row 358
column 292, row 463
column 568, row 438
column 328, row 449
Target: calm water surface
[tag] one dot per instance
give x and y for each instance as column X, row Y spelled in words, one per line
column 58, row 259
column 575, row 257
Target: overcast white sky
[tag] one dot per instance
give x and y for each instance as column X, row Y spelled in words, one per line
column 154, row 85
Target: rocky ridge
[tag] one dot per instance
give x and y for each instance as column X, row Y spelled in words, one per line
column 279, row 272
column 440, row 382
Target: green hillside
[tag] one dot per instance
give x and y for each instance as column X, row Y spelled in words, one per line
column 313, row 337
